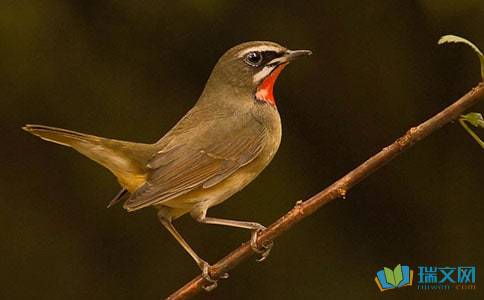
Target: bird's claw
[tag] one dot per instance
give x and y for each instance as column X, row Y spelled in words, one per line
column 211, row 283
column 264, row 249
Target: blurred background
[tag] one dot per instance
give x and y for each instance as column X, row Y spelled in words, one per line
column 130, row 69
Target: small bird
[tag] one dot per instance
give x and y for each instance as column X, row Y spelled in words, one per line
column 229, row 136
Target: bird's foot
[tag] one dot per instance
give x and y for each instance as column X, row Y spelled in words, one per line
column 211, row 283
column 264, row 249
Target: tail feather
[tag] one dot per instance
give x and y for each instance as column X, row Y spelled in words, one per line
column 126, row 160
column 60, row 136
column 122, row 194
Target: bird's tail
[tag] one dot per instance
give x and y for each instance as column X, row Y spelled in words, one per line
column 126, row 160
column 62, row 136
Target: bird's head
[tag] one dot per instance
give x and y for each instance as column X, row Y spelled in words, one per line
column 253, row 67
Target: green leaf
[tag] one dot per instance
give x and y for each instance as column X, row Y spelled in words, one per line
column 457, row 39
column 398, row 274
column 389, row 276
column 476, row 120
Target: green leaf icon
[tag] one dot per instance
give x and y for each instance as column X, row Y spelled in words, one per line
column 389, row 276
column 398, row 274
column 394, row 277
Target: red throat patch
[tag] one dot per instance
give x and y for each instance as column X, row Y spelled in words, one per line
column 265, row 90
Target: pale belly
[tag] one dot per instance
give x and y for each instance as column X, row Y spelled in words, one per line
column 201, row 199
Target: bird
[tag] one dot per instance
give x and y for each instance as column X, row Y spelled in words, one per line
column 221, row 144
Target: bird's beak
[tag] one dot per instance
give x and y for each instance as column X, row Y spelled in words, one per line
column 293, row 54
column 288, row 56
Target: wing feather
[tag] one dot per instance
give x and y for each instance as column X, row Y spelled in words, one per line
column 211, row 156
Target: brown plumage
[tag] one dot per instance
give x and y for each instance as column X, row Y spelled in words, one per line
column 216, row 149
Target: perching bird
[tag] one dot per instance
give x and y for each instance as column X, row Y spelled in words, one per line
column 215, row 150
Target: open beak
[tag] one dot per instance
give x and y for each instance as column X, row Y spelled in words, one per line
column 288, row 56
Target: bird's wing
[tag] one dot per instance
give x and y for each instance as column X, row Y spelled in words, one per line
column 199, row 157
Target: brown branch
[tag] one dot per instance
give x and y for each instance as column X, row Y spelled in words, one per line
column 336, row 190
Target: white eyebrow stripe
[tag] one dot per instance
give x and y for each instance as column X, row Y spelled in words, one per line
column 259, row 49
column 263, row 73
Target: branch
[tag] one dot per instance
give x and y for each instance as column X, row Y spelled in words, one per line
column 337, row 190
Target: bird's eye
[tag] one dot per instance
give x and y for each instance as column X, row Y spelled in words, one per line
column 253, row 59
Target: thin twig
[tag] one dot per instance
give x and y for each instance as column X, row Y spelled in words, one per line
column 337, row 190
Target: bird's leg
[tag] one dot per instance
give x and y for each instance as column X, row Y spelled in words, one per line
column 202, row 264
column 263, row 250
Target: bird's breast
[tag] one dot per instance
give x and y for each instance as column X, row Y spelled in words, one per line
column 207, row 197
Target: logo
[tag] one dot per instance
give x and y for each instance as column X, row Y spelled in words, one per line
column 446, row 278
column 429, row 278
column 387, row 278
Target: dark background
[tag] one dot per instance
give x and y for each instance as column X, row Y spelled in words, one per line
column 131, row 69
